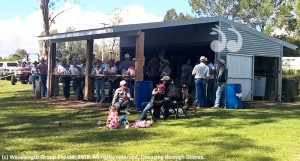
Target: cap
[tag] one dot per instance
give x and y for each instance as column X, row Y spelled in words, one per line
column 122, row 82
column 126, row 56
column 184, row 86
column 202, row 58
column 161, row 86
column 222, row 61
column 165, row 78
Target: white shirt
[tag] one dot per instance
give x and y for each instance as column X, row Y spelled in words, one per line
column 201, row 71
column 61, row 69
column 74, row 70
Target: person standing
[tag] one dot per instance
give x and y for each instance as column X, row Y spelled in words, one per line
column 57, row 77
column 99, row 82
column 62, row 69
column 77, row 80
column 201, row 72
column 186, row 71
column 124, row 65
column 42, row 70
column 222, row 75
column 111, row 69
column 210, row 83
column 34, row 75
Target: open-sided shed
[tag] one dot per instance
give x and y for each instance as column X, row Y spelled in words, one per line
column 248, row 53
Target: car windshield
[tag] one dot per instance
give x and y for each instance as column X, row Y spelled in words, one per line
column 12, row 64
column 1, row 64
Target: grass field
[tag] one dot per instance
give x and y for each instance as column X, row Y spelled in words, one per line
column 30, row 128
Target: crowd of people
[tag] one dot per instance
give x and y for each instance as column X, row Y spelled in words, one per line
column 208, row 81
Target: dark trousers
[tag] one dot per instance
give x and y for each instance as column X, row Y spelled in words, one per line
column 43, row 79
column 77, row 82
column 210, row 93
column 56, row 86
column 66, row 86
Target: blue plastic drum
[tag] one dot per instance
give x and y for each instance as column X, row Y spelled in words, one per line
column 234, row 96
column 143, row 93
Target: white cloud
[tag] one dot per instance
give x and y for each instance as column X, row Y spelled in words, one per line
column 22, row 34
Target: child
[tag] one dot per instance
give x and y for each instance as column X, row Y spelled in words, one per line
column 187, row 98
column 113, row 120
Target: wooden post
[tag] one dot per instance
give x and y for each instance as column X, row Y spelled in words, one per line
column 139, row 57
column 51, row 65
column 88, row 89
column 38, row 85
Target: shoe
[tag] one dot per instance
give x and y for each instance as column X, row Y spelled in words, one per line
column 102, row 101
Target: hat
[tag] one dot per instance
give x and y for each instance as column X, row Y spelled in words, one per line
column 122, row 82
column 126, row 56
column 165, row 78
column 184, row 86
column 35, row 62
column 202, row 58
column 222, row 61
column 161, row 86
column 166, row 61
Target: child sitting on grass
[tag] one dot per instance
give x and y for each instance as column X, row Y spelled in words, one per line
column 113, row 120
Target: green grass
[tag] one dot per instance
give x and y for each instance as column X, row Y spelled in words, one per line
column 29, row 127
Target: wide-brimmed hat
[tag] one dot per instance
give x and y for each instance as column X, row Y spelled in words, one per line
column 165, row 78
column 222, row 61
column 202, row 58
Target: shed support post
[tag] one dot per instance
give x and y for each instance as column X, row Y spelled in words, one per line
column 51, row 66
column 139, row 57
column 88, row 89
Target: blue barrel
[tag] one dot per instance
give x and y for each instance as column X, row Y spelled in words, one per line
column 234, row 96
column 143, row 93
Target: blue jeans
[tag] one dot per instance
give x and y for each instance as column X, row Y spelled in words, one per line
column 220, row 95
column 126, row 104
column 100, row 87
column 56, row 86
column 33, row 79
column 200, row 92
column 146, row 109
column 43, row 79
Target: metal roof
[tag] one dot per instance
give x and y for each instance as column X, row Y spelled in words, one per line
column 134, row 29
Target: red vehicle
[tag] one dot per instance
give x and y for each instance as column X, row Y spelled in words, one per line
column 22, row 74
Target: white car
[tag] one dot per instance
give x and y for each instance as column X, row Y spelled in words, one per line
column 8, row 68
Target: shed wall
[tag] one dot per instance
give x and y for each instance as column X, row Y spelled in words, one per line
column 252, row 44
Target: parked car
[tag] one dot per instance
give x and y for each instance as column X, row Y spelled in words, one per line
column 8, row 69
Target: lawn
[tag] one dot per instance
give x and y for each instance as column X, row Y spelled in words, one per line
column 29, row 128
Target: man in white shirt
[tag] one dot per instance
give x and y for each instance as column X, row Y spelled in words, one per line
column 62, row 69
column 201, row 72
column 111, row 69
column 77, row 80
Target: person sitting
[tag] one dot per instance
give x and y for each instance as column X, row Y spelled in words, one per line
column 171, row 94
column 156, row 102
column 113, row 120
column 187, row 99
column 122, row 97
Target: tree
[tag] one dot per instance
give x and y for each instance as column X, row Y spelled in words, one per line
column 257, row 14
column 225, row 8
column 22, row 53
column 13, row 57
column 1, row 58
column 48, row 19
column 172, row 15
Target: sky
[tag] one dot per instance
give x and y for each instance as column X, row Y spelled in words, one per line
column 21, row 20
